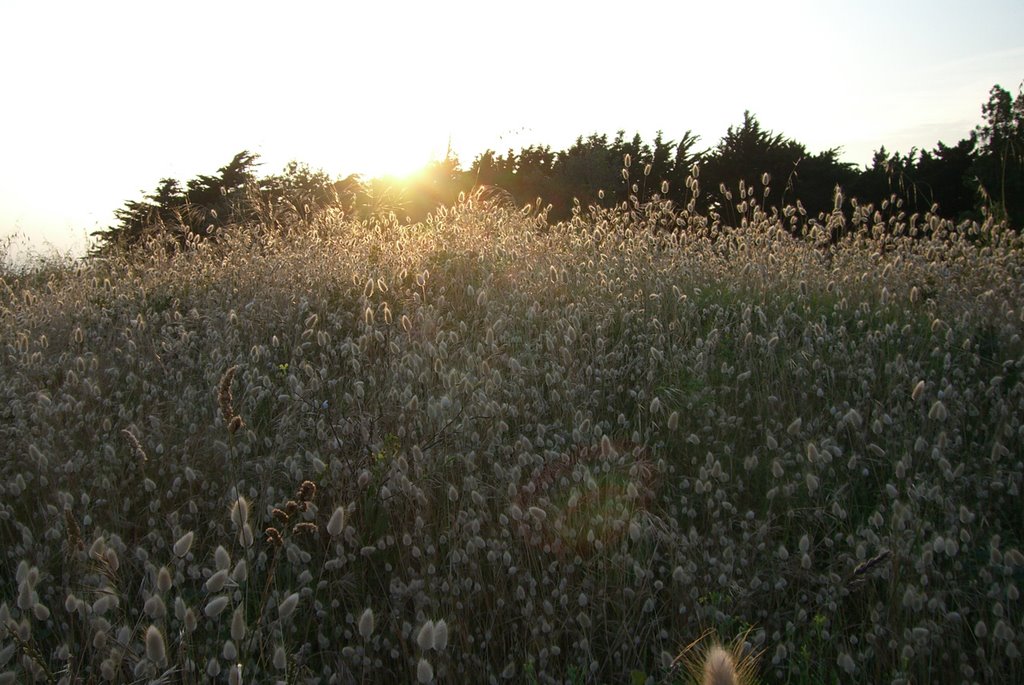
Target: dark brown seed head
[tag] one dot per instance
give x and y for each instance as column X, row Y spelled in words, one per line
column 74, row 533
column 224, row 397
column 274, row 537
column 306, row 492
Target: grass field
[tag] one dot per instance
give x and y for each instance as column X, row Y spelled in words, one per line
column 534, row 453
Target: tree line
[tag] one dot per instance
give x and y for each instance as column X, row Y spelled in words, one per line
column 981, row 174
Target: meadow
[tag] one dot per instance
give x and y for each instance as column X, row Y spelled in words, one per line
column 489, row 448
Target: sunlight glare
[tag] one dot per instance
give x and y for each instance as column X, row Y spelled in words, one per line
column 398, row 167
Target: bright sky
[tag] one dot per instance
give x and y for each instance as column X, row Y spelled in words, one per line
column 100, row 100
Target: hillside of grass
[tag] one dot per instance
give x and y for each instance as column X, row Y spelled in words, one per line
column 485, row 448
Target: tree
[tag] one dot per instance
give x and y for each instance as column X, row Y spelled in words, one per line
column 943, row 174
column 438, row 183
column 206, row 203
column 999, row 167
column 748, row 151
column 304, row 191
column 588, row 167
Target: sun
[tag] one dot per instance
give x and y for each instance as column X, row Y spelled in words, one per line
column 394, row 151
column 399, row 168
column 398, row 162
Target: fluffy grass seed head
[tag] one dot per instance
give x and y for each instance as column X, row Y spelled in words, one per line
column 238, row 623
column 239, row 512
column 794, row 426
column 917, row 391
column 440, row 635
column 183, row 544
column 719, row 667
column 164, row 579
column 215, row 606
column 156, row 649
column 366, row 624
column 337, row 522
column 718, row 664
column 287, row 606
column 425, row 637
column 424, row 671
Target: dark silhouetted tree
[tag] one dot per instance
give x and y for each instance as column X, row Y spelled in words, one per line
column 180, row 216
column 748, row 151
column 943, row 178
column 438, row 183
column 303, row 191
column 999, row 167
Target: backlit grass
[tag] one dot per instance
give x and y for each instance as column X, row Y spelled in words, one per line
column 484, row 448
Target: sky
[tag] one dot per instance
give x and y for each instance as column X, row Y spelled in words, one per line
column 101, row 100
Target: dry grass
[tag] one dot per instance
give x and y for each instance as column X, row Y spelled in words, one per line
column 483, row 449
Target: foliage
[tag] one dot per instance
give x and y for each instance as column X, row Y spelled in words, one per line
column 1000, row 166
column 981, row 173
column 180, row 216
